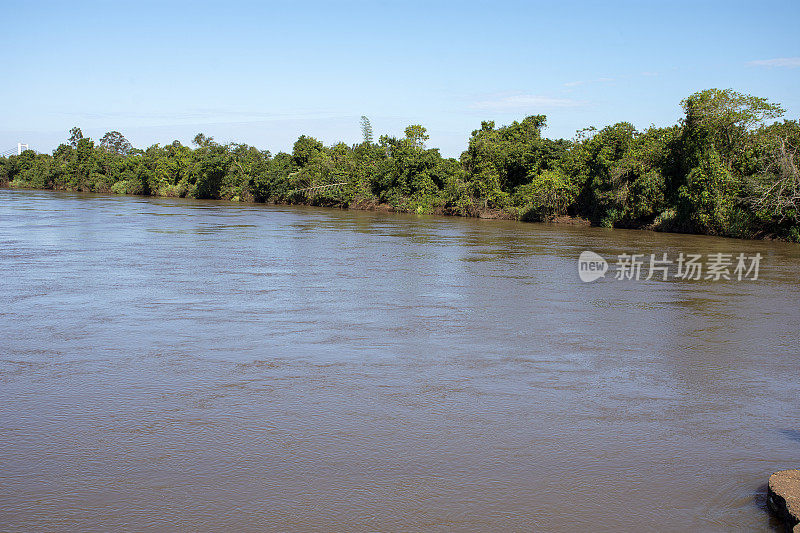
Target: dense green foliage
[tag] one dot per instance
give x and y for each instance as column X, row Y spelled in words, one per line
column 723, row 170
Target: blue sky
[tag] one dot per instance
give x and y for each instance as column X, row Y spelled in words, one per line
column 265, row 72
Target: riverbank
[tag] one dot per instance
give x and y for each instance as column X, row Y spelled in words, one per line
column 368, row 204
column 372, row 204
column 677, row 179
column 784, row 497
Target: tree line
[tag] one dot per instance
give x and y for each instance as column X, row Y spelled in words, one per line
column 729, row 167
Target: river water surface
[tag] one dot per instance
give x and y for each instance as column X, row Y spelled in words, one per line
column 184, row 365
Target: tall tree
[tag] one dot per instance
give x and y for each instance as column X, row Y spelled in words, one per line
column 115, row 142
column 721, row 120
column 416, row 136
column 201, row 140
column 75, row 135
column 366, row 129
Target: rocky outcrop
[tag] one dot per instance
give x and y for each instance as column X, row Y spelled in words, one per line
column 784, row 497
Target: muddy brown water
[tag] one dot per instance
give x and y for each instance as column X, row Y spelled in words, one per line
column 184, row 365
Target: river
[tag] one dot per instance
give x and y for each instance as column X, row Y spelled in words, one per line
column 169, row 364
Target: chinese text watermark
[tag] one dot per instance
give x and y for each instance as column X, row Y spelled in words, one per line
column 712, row 267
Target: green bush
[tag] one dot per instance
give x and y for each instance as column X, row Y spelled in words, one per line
column 547, row 195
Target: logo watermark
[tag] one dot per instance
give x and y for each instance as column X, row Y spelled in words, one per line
column 712, row 267
column 591, row 266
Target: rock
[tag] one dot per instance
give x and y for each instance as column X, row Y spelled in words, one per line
column 784, row 497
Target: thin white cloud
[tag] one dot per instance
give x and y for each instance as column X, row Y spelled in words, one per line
column 584, row 82
column 192, row 115
column 785, row 62
column 520, row 102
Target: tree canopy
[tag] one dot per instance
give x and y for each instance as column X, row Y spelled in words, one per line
column 724, row 169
